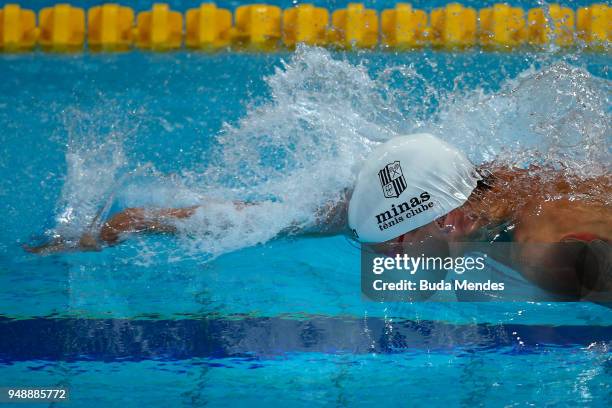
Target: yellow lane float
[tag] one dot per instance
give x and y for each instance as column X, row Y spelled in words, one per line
column 453, row 26
column 109, row 27
column 159, row 29
column 208, row 27
column 354, row 26
column 258, row 27
column 502, row 26
column 62, row 28
column 594, row 24
column 17, row 28
column 403, row 27
column 263, row 27
column 305, row 24
column 554, row 23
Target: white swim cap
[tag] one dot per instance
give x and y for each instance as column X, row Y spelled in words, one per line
column 408, row 182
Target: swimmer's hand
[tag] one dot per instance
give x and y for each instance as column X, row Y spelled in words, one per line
column 87, row 242
column 55, row 245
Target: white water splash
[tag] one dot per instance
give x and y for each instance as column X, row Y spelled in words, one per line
column 94, row 158
column 302, row 148
column 555, row 115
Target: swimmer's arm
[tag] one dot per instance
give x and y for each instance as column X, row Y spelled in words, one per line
column 130, row 220
column 137, row 220
column 330, row 219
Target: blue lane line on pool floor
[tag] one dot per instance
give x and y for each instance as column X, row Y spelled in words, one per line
column 71, row 339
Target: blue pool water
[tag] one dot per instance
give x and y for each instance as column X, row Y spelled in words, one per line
column 235, row 314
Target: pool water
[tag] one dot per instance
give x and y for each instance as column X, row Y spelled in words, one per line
column 238, row 312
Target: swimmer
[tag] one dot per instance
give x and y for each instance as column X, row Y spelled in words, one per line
column 418, row 189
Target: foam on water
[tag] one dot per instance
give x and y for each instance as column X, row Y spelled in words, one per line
column 555, row 115
column 94, row 158
column 301, row 148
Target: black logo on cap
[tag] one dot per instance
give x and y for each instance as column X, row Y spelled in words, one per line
column 392, row 180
